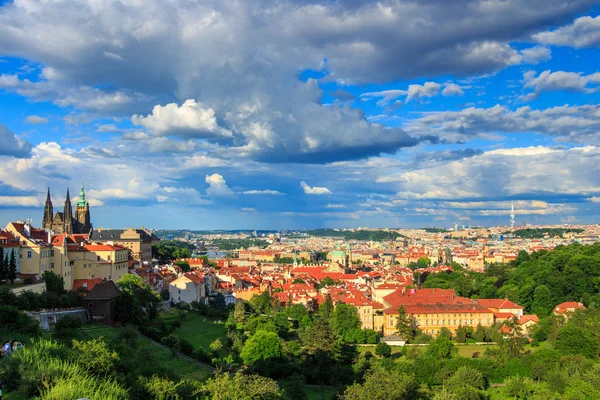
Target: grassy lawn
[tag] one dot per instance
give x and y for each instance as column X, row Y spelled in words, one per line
column 199, row 330
column 315, row 393
column 364, row 349
column 468, row 350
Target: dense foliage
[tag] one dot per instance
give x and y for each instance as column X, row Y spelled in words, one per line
column 167, row 250
column 539, row 233
column 376, row 236
column 235, row 244
column 537, row 281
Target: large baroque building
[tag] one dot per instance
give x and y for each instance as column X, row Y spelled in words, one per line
column 66, row 222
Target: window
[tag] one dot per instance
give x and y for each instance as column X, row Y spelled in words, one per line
column 51, row 265
column 90, row 305
column 84, row 265
column 108, row 258
column 52, row 253
column 97, row 258
column 29, row 254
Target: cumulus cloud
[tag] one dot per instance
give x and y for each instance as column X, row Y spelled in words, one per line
column 452, row 89
column 418, row 92
column 335, row 206
column 217, row 187
column 578, row 124
column 583, row 32
column 522, row 172
column 560, row 80
column 189, row 120
column 536, row 55
column 19, row 201
column 36, row 120
column 12, row 145
column 157, row 53
column 385, row 96
column 263, row 192
column 316, row 190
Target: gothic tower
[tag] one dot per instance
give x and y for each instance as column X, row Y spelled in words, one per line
column 48, row 213
column 82, row 210
column 68, row 215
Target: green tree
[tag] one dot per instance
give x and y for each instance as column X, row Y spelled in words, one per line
column 344, row 319
column 461, row 334
column 479, row 335
column 466, row 376
column 54, row 283
column 576, row 340
column 262, row 345
column 441, row 347
column 318, row 337
column 293, row 387
column 326, row 308
column 381, row 384
column 137, row 301
column 96, row 355
column 542, row 301
column 514, row 343
column 406, row 326
column 11, row 274
column 241, row 387
column 262, row 302
column 383, row 350
column 3, row 267
column 184, row 265
column 239, row 312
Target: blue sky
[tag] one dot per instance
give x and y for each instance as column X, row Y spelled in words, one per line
column 283, row 114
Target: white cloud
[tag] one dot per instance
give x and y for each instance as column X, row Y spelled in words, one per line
column 577, row 124
column 584, row 32
column 263, row 192
column 189, row 120
column 217, row 187
column 385, row 95
column 429, row 89
column 36, row 120
column 536, row 55
column 452, row 89
column 335, row 206
column 560, row 80
column 316, row 190
column 19, row 201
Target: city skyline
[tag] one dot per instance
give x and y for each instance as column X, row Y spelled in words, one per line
column 289, row 115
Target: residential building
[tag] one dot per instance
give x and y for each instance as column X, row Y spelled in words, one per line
column 138, row 241
column 189, row 287
column 104, row 261
column 36, row 252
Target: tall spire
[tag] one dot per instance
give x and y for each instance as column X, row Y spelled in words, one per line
column 48, row 197
column 82, row 202
column 68, row 199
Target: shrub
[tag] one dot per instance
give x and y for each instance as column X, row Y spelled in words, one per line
column 383, row 349
column 170, row 341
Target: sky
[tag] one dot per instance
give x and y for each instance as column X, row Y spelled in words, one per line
column 282, row 114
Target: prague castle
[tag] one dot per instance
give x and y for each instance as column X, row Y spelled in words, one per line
column 65, row 222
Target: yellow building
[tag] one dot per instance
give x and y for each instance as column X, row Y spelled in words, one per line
column 431, row 318
column 91, row 261
column 36, row 255
column 138, row 241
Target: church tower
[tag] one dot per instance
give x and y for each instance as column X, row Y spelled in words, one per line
column 82, row 210
column 48, row 213
column 68, row 215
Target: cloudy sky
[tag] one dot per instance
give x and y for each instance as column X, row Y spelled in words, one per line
column 274, row 114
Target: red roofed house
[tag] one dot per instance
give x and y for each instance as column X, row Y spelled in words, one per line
column 502, row 306
column 189, row 287
column 567, row 308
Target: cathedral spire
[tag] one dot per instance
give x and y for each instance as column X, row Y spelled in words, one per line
column 82, row 202
column 48, row 213
column 68, row 199
column 48, row 197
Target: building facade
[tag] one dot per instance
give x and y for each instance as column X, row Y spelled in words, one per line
column 138, row 241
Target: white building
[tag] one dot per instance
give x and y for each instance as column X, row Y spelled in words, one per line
column 189, row 287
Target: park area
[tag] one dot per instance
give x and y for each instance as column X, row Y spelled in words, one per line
column 197, row 329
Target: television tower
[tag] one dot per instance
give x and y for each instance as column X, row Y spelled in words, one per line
column 512, row 215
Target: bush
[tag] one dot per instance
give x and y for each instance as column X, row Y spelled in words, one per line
column 470, row 341
column 185, row 347
column 383, row 349
column 170, row 341
column 68, row 322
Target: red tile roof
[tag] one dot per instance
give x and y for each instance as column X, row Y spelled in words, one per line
column 85, row 283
